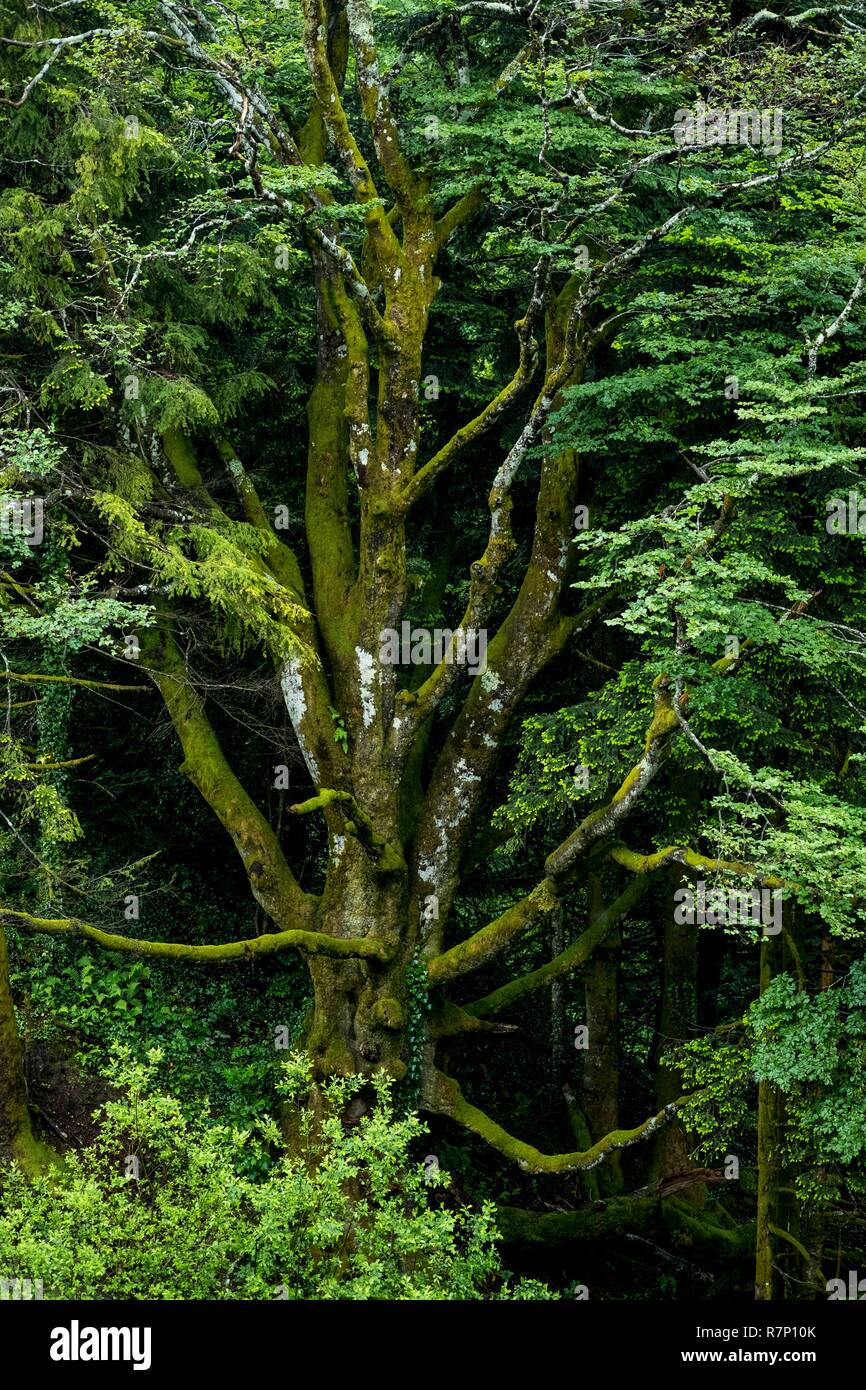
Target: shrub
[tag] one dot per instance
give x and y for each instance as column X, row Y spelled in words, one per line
column 354, row 1217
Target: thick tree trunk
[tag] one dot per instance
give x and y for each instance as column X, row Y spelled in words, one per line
column 358, row 1020
column 360, row 1009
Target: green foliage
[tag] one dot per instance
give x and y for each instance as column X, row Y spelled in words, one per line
column 718, row 1069
column 356, row 1219
column 418, row 1007
column 341, row 733
column 813, row 1047
column 810, row 1046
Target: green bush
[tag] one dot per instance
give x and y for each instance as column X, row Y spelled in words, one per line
column 355, row 1218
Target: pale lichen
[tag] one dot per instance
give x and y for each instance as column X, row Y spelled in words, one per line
column 367, row 679
column 292, row 686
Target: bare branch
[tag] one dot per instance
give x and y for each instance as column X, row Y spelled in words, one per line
column 815, row 344
column 59, row 47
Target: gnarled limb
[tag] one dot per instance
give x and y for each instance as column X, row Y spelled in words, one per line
column 678, row 854
column 573, row 956
column 312, row 943
column 271, row 880
column 481, row 947
column 601, row 822
column 387, row 854
column 444, row 1097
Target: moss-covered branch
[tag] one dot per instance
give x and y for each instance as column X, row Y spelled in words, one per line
column 376, row 106
column 309, row 942
column 678, row 854
column 342, row 364
column 475, row 429
column 51, row 767
column 72, row 680
column 388, row 854
column 573, row 956
column 271, row 880
column 301, row 676
column 532, row 632
column 676, row 1220
column 444, row 1097
column 604, row 819
column 330, row 101
column 448, row 1020
column 280, row 559
column 483, row 945
column 458, row 213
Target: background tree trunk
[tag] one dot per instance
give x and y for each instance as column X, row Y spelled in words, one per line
column 16, row 1136
column 677, row 1019
column 601, row 1061
column 769, row 1117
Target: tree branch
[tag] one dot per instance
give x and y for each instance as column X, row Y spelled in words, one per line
column 602, row 821
column 689, row 858
column 444, row 1097
column 310, row 942
column 271, row 880
column 483, row 945
column 73, row 680
column 376, row 106
column 475, row 429
column 573, row 956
